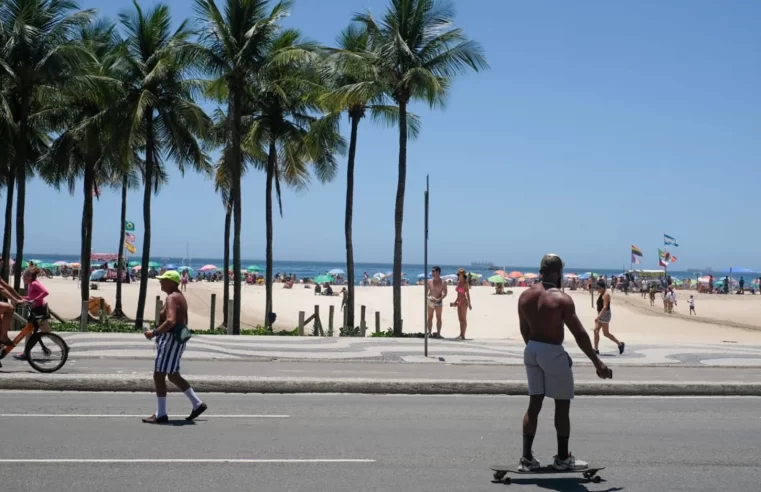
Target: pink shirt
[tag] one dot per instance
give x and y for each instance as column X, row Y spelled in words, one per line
column 37, row 294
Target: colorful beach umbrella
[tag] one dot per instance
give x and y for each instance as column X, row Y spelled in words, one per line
column 337, row 271
column 134, row 263
column 497, row 279
column 515, row 274
column 254, row 268
column 208, row 268
column 45, row 265
column 185, row 267
column 321, row 279
column 531, row 276
column 171, row 266
column 154, row 264
column 501, row 273
column 60, row 263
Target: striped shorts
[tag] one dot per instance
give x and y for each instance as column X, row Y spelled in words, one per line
column 168, row 354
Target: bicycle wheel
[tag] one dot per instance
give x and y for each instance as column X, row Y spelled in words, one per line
column 46, row 352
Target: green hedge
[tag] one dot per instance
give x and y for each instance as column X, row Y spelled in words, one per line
column 111, row 326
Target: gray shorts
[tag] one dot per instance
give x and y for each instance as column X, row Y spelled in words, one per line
column 606, row 317
column 548, row 369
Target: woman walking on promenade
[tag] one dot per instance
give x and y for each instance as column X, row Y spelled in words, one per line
column 170, row 344
column 604, row 315
column 463, row 301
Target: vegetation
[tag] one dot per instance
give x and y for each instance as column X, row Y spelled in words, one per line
column 109, row 105
column 111, row 326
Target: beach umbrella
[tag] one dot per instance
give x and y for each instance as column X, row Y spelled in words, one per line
column 185, row 267
column 515, row 274
column 571, row 275
column 97, row 275
column 476, row 275
column 134, row 263
column 501, row 273
column 531, row 276
column 208, row 268
column 75, row 265
column 171, row 266
column 496, row 279
column 36, row 261
column 45, row 265
column 337, row 271
column 254, row 268
column 60, row 263
column 379, row 276
column 137, row 267
column 153, row 264
column 321, row 279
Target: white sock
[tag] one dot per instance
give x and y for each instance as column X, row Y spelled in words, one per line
column 162, row 406
column 194, row 400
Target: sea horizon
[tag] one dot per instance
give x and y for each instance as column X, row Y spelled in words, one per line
column 310, row 268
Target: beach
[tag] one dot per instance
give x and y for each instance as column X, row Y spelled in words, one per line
column 720, row 317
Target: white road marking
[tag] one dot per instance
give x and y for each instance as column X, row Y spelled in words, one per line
column 182, row 460
column 119, row 415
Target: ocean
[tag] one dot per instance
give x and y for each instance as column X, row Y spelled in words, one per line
column 308, row 269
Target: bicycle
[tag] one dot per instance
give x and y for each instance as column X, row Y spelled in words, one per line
column 41, row 340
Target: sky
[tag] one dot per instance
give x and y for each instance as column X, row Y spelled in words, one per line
column 599, row 125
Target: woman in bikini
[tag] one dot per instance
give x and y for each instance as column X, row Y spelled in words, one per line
column 184, row 280
column 463, row 301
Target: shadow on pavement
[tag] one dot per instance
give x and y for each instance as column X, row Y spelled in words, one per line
column 570, row 484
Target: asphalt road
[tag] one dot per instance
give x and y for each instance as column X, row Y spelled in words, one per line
column 411, row 443
column 389, row 370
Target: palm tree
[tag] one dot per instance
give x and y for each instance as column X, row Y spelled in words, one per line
column 84, row 148
column 358, row 87
column 165, row 121
column 39, row 55
column 234, row 40
column 419, row 54
column 289, row 126
column 223, row 185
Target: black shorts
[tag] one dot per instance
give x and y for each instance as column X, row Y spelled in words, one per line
column 42, row 313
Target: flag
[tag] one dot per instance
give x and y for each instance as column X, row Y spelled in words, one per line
column 664, row 258
column 130, row 248
column 129, row 226
column 636, row 259
column 636, row 251
column 662, row 263
column 129, row 237
column 672, row 259
column 669, row 241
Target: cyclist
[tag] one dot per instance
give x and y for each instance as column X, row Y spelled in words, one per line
column 36, row 294
column 7, row 309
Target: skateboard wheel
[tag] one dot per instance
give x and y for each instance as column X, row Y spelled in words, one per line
column 597, row 479
column 499, row 475
column 507, row 481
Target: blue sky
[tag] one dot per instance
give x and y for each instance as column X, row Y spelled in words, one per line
column 600, row 125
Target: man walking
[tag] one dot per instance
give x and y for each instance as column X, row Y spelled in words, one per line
column 437, row 291
column 543, row 311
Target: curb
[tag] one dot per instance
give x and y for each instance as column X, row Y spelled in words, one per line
column 247, row 384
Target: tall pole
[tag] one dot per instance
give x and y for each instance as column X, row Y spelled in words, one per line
column 425, row 270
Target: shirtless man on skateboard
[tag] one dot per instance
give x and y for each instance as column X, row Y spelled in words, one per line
column 437, row 291
column 543, row 311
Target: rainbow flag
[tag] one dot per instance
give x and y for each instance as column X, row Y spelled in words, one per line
column 636, row 251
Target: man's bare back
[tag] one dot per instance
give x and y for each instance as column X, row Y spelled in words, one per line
column 542, row 314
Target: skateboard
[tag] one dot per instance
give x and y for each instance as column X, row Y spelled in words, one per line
column 501, row 471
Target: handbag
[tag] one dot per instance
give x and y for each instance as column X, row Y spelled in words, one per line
column 181, row 334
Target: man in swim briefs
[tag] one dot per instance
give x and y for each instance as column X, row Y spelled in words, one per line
column 543, row 311
column 437, row 291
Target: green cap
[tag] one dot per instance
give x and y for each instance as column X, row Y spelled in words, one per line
column 170, row 275
column 551, row 263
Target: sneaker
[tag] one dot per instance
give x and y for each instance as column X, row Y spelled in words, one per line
column 197, row 411
column 153, row 419
column 527, row 465
column 621, row 347
column 570, row 464
column 20, row 356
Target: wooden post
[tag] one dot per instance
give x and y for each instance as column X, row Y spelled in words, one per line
column 301, row 323
column 331, row 312
column 85, row 314
column 213, row 311
column 345, row 318
column 317, row 321
column 157, row 315
column 230, row 311
column 362, row 324
column 102, row 313
column 377, row 322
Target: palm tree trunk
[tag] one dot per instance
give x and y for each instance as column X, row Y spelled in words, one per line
column 349, row 316
column 8, row 230
column 149, row 164
column 118, row 310
column 236, row 166
column 399, row 217
column 226, row 262
column 21, row 189
column 86, row 247
column 271, row 160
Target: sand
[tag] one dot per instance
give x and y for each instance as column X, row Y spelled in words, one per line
column 720, row 318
